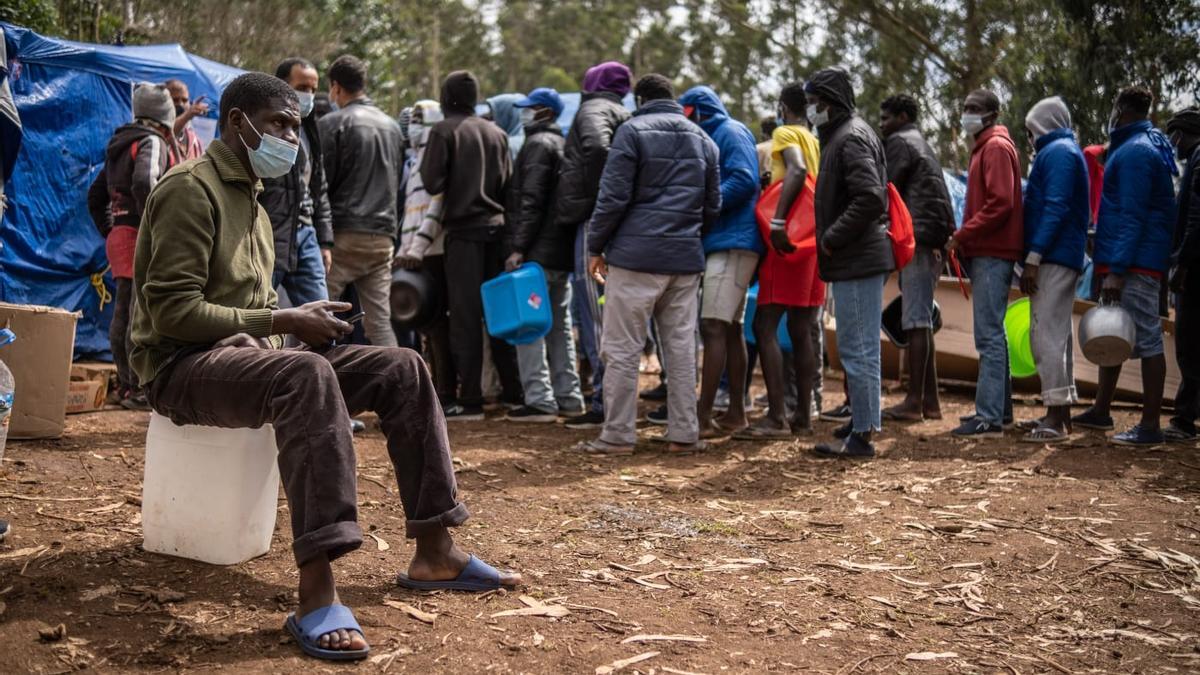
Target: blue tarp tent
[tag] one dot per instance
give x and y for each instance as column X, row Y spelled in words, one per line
column 71, row 96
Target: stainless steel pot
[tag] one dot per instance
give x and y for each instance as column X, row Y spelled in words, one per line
column 1106, row 335
column 414, row 298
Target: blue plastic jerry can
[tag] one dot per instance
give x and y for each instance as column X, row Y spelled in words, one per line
column 516, row 305
column 785, row 340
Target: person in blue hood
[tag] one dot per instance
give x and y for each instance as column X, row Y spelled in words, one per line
column 1132, row 249
column 731, row 249
column 507, row 116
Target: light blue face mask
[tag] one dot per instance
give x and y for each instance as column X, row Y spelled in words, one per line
column 306, row 102
column 273, row 157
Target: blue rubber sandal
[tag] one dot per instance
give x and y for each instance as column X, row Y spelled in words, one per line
column 476, row 577
column 309, row 629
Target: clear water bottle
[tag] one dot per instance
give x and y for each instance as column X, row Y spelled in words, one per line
column 7, row 386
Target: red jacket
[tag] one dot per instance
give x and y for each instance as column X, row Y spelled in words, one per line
column 993, row 222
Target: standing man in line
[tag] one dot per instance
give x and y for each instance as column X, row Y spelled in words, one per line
column 548, row 370
column 466, row 159
column 731, row 250
column 1056, row 222
column 913, row 167
column 1184, row 132
column 364, row 162
column 600, row 113
column 1132, row 253
column 661, row 189
column 297, row 204
column 187, row 142
column 854, row 252
column 991, row 236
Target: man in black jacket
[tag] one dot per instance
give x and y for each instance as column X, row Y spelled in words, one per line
column 854, row 253
column 467, row 159
column 600, row 113
column 914, row 169
column 661, row 189
column 1184, row 132
column 548, row 372
column 364, row 163
column 297, row 204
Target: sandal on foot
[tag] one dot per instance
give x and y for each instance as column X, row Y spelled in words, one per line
column 1029, row 425
column 689, row 449
column 713, row 432
column 1045, row 435
column 891, row 415
column 757, row 432
column 476, row 577
column 308, row 629
column 599, row 447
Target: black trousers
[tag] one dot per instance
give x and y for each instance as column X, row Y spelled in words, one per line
column 1187, row 355
column 437, row 335
column 119, row 339
column 469, row 263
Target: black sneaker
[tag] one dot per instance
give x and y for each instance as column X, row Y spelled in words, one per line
column 854, row 447
column 838, row 414
column 658, row 416
column 4, row 530
column 1139, row 437
column 656, row 393
column 589, row 420
column 530, row 414
column 1007, row 423
column 843, row 431
column 458, row 413
column 135, row 402
column 570, row 412
column 1090, row 419
column 977, row 428
column 1177, row 434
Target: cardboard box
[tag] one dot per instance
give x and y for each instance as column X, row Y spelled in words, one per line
column 86, row 396
column 40, row 361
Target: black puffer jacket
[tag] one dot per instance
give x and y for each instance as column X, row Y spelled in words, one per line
column 591, row 134
column 851, row 201
column 364, row 164
column 532, row 230
column 291, row 202
column 914, row 169
column 660, row 191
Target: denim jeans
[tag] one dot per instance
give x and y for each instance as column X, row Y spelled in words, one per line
column 548, row 370
column 859, row 307
column 588, row 310
column 306, row 283
column 991, row 279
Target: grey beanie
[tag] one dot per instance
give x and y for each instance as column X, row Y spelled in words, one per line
column 1048, row 115
column 153, row 101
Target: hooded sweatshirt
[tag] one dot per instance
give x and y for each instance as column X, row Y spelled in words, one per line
column 611, row 76
column 1056, row 209
column 466, row 158
column 136, row 157
column 737, row 227
column 507, row 116
column 993, row 220
column 1137, row 206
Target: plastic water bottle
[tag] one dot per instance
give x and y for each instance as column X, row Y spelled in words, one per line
column 7, row 388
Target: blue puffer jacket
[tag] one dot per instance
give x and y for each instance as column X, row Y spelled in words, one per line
column 1137, row 206
column 737, row 227
column 660, row 190
column 1056, row 201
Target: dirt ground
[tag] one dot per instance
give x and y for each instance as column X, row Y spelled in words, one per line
column 939, row 556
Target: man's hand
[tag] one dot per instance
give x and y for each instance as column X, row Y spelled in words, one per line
column 952, row 245
column 314, row 324
column 780, row 241
column 327, row 259
column 1178, row 280
column 597, row 268
column 513, row 262
column 241, row 341
column 1110, row 290
column 198, row 108
column 1029, row 279
column 408, row 262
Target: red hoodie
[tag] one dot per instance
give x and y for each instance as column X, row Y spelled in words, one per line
column 993, row 222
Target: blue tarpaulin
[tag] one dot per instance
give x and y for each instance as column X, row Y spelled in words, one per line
column 71, row 96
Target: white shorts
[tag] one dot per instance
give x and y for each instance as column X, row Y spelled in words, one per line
column 727, row 276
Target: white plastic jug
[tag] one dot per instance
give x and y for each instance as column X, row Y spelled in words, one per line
column 209, row 494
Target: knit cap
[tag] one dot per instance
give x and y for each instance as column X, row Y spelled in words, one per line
column 153, row 101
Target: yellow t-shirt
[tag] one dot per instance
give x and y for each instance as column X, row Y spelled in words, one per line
column 794, row 135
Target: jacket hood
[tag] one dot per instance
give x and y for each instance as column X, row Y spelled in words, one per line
column 661, row 105
column 128, row 134
column 1048, row 114
column 1158, row 140
column 460, row 92
column 833, row 85
column 709, row 105
column 611, row 76
column 505, row 112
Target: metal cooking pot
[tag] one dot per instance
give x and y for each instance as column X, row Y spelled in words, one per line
column 413, row 298
column 1106, row 335
column 890, row 322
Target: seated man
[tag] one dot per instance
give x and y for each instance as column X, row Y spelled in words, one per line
column 206, row 340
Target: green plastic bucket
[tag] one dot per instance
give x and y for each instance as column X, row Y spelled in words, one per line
column 1016, row 327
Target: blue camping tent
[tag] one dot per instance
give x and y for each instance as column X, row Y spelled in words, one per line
column 71, row 96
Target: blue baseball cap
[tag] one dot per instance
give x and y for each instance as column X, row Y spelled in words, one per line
column 543, row 96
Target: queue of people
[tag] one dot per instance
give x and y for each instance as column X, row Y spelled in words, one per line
column 645, row 223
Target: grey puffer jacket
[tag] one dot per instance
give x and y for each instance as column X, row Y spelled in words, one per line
column 915, row 170
column 660, row 191
column 851, row 202
column 586, row 150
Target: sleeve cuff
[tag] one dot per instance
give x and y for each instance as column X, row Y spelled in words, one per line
column 1034, row 258
column 257, row 322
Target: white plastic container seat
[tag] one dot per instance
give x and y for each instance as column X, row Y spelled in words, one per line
column 209, row 494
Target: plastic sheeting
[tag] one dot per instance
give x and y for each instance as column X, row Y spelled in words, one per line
column 71, row 96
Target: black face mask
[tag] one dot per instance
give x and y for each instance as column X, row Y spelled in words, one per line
column 179, row 110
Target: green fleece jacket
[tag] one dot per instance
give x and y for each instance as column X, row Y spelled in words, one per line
column 202, row 271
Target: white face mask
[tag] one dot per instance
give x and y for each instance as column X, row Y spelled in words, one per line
column 972, row 124
column 433, row 116
column 306, row 102
column 528, row 116
column 815, row 117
